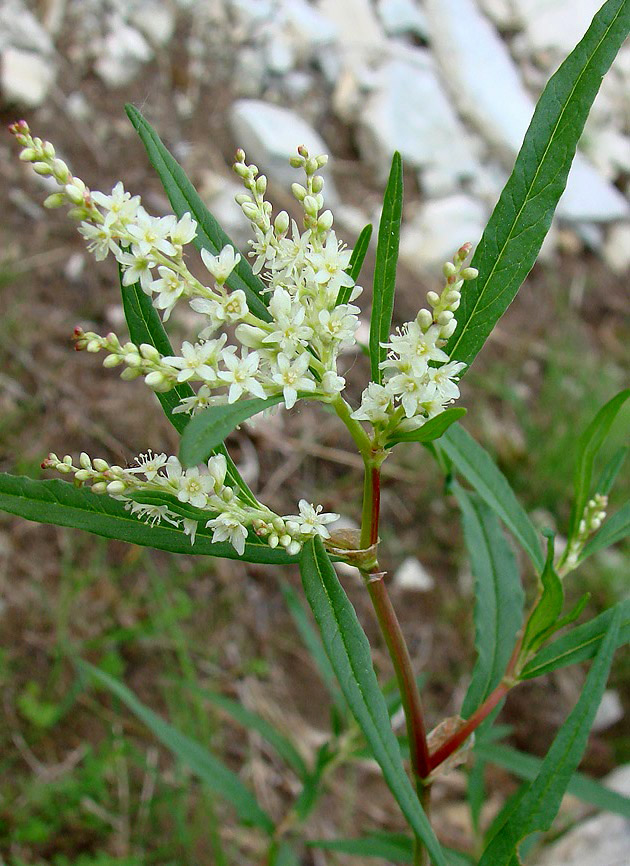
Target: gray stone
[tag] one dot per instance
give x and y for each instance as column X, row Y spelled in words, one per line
column 270, row 135
column 487, row 89
column 609, row 712
column 309, row 30
column 250, row 73
column 123, row 52
column 25, row 77
column 616, row 249
column 355, row 22
column 438, row 229
column 19, row 28
column 402, row 17
column 556, row 25
column 411, row 574
column 156, row 20
column 409, row 111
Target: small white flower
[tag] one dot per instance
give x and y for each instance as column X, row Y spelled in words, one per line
column 227, row 527
column 152, row 514
column 200, row 401
column 190, row 527
column 412, row 391
column 445, row 378
column 376, row 404
column 184, row 231
column 194, row 487
column 240, row 375
column 292, row 377
column 150, row 234
column 137, row 268
column 148, row 464
column 330, row 264
column 221, row 266
column 168, row 288
column 291, row 331
column 198, row 361
column 100, row 240
column 120, row 207
column 332, row 384
column 339, row 325
column 310, row 521
column 217, row 469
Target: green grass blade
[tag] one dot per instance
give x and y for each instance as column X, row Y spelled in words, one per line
column 611, row 471
column 589, row 444
column 312, row 642
column 203, row 764
column 430, row 431
column 63, row 504
column 521, row 219
column 477, row 467
column 614, row 529
column 393, row 847
column 356, row 262
column 528, row 766
column 539, row 805
column 349, row 652
column 185, row 199
column 580, row 644
column 248, row 719
column 499, row 596
column 207, row 430
column 385, row 267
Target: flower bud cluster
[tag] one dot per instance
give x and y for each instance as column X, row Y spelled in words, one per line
column 592, row 518
column 204, row 489
column 420, row 379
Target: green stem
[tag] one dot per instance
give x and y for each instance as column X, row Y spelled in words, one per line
column 355, row 429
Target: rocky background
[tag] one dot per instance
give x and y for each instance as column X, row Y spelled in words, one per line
column 452, row 85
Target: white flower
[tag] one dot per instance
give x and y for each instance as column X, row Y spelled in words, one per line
column 190, row 527
column 150, row 234
column 330, row 264
column 201, row 400
column 227, row 310
column 120, row 206
column 184, row 231
column 137, row 268
column 148, row 464
column 415, row 347
column 152, row 514
column 332, row 384
column 240, row 375
column 445, row 378
column 169, row 288
column 339, row 325
column 221, row 266
column 291, row 332
column 412, row 391
column 310, row 521
column 227, row 527
column 291, row 253
column 198, row 361
column 194, row 487
column 100, row 240
column 376, row 404
column 292, row 377
column 217, row 469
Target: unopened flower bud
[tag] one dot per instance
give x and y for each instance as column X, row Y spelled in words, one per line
column 241, row 198
column 311, row 166
column 131, row 373
column 99, row 487
column 433, row 298
column 310, row 205
column 285, row 540
column 281, row 222
column 250, row 210
column 469, row 274
column 448, row 330
column 74, row 193
column 273, row 540
column 261, row 184
column 82, row 475
column 42, row 168
column 93, row 346
column 241, row 169
column 114, row 488
column 28, row 154
column 424, row 319
column 56, row 199
column 100, row 465
column 449, row 269
column 112, row 361
column 322, row 159
column 325, row 221
column 317, row 183
column 149, row 352
column 296, row 161
column 444, row 317
column 303, row 151
column 298, row 191
column 84, row 460
column 157, row 381
column 60, row 170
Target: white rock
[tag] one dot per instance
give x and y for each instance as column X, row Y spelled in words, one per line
column 603, row 840
column 487, row 88
column 500, row 12
column 355, row 22
column 411, row 574
column 409, row 111
column 616, row 249
column 556, row 25
column 308, row 29
column 250, row 73
column 270, row 135
column 123, row 52
column 279, row 54
column 401, row 17
column 25, row 77
column 438, row 229
column 609, row 150
column 19, row 28
column 609, row 712
column 251, row 13
column 156, row 20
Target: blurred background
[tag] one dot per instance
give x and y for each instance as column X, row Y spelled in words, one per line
column 449, row 83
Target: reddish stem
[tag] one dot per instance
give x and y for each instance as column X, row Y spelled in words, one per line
column 376, row 504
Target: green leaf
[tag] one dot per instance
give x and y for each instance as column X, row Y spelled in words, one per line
column 477, row 467
column 63, row 504
column 499, row 596
column 580, row 644
column 611, row 471
column 356, row 262
column 395, row 847
column 614, row 529
column 282, row 854
column 385, row 267
column 430, row 431
column 145, row 326
column 349, row 652
column 539, row 805
column 185, row 199
column 521, row 219
column 312, row 642
column 203, row 764
column 209, row 428
column 312, row 789
column 589, row 444
column 546, row 613
column 248, row 719
column 528, row 767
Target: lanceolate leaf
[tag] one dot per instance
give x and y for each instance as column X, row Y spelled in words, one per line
column 356, row 262
column 518, row 225
column 385, row 267
column 248, row 719
column 611, row 470
column 207, row 430
column 145, row 326
column 539, row 805
column 528, row 766
column 580, row 644
column 543, row 618
column 614, row 529
column 185, row 199
column 349, row 653
column 589, row 444
column 63, row 504
column 203, row 764
column 499, row 596
column 430, row 431
column 477, row 467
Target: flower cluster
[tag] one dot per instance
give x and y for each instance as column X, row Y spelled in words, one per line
column 420, row 379
column 592, row 518
column 188, row 497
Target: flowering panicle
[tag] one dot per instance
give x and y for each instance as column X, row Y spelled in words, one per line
column 195, row 496
column 420, row 379
column 592, row 518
